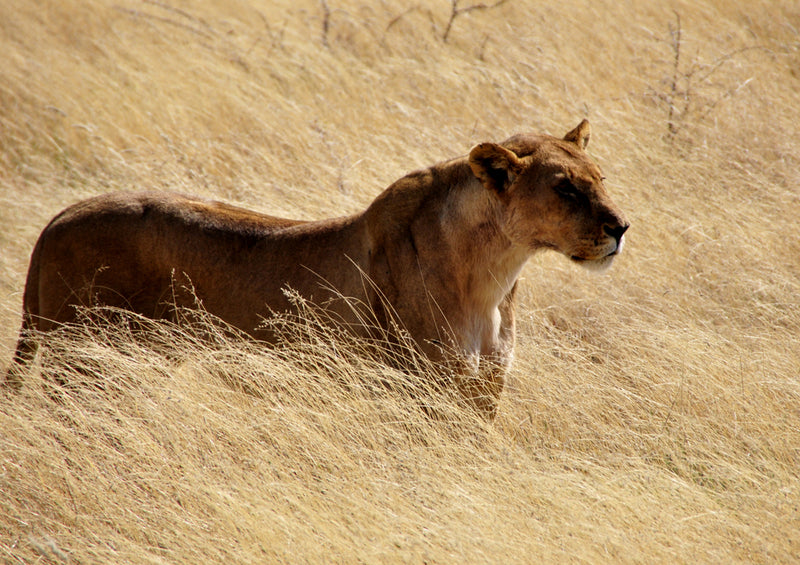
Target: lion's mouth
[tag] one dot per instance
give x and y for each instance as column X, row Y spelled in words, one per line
column 579, row 259
column 607, row 256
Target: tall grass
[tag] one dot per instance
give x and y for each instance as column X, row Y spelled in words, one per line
column 651, row 413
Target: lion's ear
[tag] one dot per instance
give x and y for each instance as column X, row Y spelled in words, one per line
column 494, row 165
column 580, row 135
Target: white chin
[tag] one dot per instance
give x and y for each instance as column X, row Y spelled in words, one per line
column 603, row 263
column 597, row 265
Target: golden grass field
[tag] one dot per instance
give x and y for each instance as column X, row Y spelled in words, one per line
column 653, row 412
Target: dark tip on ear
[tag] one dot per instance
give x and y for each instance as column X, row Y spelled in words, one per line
column 580, row 135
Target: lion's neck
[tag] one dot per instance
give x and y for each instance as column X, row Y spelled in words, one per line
column 485, row 262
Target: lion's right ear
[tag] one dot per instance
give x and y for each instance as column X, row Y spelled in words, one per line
column 580, row 135
column 494, row 165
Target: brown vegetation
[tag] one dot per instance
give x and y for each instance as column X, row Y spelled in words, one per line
column 654, row 408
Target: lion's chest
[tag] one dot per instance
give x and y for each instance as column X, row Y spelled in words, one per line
column 484, row 341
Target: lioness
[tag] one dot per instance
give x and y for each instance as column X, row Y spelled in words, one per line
column 439, row 251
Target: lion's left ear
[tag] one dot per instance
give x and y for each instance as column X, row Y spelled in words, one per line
column 580, row 135
column 494, row 165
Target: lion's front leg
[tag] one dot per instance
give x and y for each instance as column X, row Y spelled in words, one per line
column 481, row 383
column 482, row 391
column 484, row 384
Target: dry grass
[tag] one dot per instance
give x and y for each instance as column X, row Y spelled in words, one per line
column 653, row 411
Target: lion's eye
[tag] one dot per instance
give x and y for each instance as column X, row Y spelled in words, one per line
column 566, row 189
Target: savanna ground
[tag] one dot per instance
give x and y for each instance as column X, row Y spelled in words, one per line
column 653, row 412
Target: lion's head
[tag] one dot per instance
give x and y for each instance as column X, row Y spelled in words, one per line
column 552, row 195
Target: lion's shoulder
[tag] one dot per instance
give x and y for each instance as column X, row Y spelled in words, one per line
column 420, row 193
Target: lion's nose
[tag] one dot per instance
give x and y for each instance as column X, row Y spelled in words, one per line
column 616, row 231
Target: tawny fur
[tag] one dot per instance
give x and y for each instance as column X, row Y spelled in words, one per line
column 441, row 249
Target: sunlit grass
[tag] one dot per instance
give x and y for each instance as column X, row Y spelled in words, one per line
column 651, row 412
